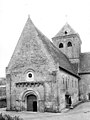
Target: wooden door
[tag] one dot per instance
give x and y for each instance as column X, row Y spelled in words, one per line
column 32, row 103
column 34, row 106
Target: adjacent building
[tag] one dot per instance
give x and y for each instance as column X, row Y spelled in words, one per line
column 2, row 92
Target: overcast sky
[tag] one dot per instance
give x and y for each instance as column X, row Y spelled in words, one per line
column 49, row 16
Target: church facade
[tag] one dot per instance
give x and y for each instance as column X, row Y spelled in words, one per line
column 47, row 76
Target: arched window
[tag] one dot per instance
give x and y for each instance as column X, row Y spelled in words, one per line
column 66, row 85
column 69, row 44
column 75, row 83
column 65, row 32
column 63, row 79
column 61, row 45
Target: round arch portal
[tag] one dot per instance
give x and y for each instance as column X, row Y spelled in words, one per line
column 31, row 99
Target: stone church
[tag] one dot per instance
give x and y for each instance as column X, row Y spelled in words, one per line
column 47, row 76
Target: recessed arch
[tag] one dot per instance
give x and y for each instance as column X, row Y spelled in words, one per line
column 61, row 45
column 28, row 70
column 28, row 92
column 29, row 74
column 30, row 97
column 69, row 44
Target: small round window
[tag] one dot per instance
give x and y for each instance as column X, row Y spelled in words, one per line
column 30, row 76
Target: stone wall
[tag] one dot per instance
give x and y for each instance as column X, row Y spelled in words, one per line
column 3, row 93
column 84, row 86
column 17, row 84
column 70, row 52
column 67, row 84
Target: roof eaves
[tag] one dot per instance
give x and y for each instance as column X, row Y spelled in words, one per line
column 69, row 72
column 65, row 36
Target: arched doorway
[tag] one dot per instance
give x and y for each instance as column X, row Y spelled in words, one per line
column 32, row 103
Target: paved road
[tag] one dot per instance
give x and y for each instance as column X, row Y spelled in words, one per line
column 81, row 112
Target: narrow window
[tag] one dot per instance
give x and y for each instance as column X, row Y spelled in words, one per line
column 63, row 79
column 69, row 44
column 75, row 83
column 68, row 81
column 61, row 45
column 66, row 84
column 72, row 83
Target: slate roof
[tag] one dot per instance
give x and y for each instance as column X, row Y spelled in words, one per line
column 31, row 32
column 65, row 30
column 56, row 54
column 75, row 67
column 84, row 66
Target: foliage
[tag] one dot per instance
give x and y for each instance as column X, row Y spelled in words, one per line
column 8, row 117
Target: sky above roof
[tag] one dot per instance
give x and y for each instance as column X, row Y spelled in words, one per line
column 49, row 16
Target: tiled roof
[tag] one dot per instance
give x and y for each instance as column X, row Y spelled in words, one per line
column 84, row 65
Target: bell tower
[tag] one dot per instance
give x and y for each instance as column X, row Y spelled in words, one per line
column 68, row 41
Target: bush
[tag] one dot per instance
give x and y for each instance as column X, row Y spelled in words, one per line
column 8, row 117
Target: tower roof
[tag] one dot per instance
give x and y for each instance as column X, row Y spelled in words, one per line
column 65, row 30
column 31, row 33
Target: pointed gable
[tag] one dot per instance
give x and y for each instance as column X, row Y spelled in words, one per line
column 66, row 30
column 28, row 50
column 24, row 48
